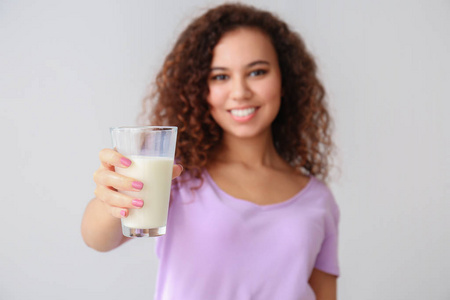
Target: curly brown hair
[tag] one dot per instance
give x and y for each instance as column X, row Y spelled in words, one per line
column 301, row 130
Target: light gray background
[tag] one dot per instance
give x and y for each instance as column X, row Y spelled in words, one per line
column 71, row 69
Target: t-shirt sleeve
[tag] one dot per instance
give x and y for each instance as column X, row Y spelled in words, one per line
column 327, row 259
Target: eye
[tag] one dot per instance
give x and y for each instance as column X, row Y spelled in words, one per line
column 219, row 77
column 258, row 72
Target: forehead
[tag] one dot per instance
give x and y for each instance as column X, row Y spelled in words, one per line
column 242, row 46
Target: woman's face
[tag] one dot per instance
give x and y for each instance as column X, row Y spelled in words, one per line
column 244, row 83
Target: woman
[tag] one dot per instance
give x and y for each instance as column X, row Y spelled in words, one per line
column 250, row 218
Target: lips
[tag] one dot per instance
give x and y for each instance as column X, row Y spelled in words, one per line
column 243, row 114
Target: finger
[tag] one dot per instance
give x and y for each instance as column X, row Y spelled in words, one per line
column 177, row 170
column 119, row 212
column 111, row 158
column 117, row 199
column 119, row 182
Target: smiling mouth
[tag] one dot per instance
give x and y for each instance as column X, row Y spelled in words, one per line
column 242, row 113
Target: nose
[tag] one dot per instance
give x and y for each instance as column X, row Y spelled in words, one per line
column 240, row 89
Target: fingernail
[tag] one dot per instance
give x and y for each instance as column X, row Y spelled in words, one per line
column 137, row 202
column 123, row 213
column 125, row 161
column 137, row 185
column 181, row 168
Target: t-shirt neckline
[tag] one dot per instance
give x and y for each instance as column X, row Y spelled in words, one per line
column 249, row 204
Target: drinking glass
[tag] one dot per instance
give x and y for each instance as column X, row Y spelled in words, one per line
column 151, row 150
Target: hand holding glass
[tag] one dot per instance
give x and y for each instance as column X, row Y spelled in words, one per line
column 151, row 150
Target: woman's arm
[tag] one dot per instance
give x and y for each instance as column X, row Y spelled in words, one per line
column 324, row 285
column 100, row 230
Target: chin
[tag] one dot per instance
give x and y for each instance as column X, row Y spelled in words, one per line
column 247, row 134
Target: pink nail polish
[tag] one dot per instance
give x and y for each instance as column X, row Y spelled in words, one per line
column 137, row 202
column 137, row 185
column 123, row 213
column 125, row 161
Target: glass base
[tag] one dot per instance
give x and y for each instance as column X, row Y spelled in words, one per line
column 137, row 232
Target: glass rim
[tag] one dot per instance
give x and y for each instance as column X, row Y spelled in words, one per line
column 149, row 127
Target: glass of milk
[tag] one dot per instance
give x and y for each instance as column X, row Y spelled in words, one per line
column 151, row 150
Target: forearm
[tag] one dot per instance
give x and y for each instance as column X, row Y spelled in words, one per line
column 324, row 285
column 99, row 229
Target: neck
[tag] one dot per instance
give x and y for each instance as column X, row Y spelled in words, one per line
column 251, row 152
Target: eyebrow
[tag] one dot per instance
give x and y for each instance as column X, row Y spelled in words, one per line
column 252, row 64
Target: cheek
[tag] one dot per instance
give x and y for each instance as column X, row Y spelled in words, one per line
column 271, row 92
column 215, row 102
column 216, row 96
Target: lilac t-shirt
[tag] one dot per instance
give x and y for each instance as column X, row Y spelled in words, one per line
column 219, row 247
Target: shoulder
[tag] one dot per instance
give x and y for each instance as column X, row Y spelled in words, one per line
column 186, row 186
column 187, row 181
column 322, row 193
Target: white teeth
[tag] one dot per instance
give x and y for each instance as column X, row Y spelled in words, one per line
column 242, row 112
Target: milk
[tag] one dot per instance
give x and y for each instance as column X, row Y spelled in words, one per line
column 156, row 175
